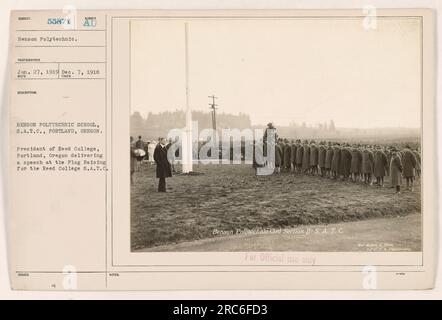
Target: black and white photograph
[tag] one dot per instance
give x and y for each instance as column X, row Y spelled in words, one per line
column 223, row 152
column 254, row 135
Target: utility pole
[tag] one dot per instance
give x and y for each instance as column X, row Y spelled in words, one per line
column 213, row 106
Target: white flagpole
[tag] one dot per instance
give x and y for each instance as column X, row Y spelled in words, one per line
column 187, row 136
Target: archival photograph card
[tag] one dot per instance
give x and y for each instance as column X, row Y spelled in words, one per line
column 222, row 149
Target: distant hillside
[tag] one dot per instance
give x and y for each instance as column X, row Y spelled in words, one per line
column 159, row 124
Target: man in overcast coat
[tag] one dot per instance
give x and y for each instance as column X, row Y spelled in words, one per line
column 163, row 166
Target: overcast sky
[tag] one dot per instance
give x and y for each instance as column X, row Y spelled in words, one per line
column 283, row 70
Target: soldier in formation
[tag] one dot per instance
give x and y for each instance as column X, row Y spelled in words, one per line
column 358, row 163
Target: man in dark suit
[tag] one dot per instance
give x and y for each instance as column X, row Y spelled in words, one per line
column 163, row 166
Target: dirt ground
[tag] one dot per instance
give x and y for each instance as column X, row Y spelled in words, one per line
column 222, row 201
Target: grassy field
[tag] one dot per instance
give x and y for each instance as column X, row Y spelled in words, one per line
column 379, row 234
column 225, row 198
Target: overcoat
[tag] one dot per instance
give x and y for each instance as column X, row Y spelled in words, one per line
column 409, row 163
column 380, row 164
column 287, row 156
column 345, row 162
column 306, row 157
column 321, row 156
column 395, row 170
column 418, row 159
column 367, row 161
column 336, row 159
column 328, row 157
column 299, row 154
column 163, row 166
column 266, row 134
column 282, row 146
column 389, row 155
column 278, row 155
column 356, row 161
column 293, row 154
column 313, row 155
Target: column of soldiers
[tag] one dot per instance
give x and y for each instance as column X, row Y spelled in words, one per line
column 368, row 164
